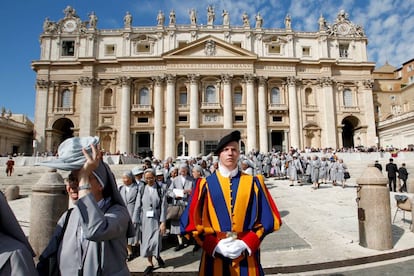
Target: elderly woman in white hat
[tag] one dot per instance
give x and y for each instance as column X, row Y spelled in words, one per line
column 95, row 239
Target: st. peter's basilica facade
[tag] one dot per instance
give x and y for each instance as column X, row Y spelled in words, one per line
column 178, row 87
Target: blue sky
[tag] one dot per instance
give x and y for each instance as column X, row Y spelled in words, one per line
column 388, row 24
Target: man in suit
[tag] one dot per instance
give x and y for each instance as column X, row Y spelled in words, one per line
column 392, row 171
column 95, row 239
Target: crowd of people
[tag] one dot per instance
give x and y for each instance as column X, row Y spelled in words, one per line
column 110, row 223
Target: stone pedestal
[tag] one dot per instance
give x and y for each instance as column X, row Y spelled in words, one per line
column 374, row 210
column 410, row 184
column 48, row 202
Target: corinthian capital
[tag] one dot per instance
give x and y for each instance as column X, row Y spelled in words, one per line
column 291, row 80
column 124, row 80
column 170, row 78
column 262, row 80
column 42, row 83
column 226, row 78
column 158, row 80
column 87, row 81
column 325, row 81
column 368, row 83
column 249, row 78
column 193, row 78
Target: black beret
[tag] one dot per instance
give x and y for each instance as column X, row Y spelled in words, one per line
column 234, row 136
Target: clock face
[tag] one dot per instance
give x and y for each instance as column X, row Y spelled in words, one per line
column 343, row 29
column 69, row 25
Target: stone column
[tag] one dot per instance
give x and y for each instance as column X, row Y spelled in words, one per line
column 328, row 103
column 194, row 145
column 158, row 146
column 48, row 202
column 262, row 107
column 251, row 113
column 86, row 124
column 124, row 132
column 293, row 113
column 369, row 113
column 227, row 101
column 170, row 118
column 40, row 118
column 374, row 211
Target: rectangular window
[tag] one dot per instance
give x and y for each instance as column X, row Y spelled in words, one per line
column 142, row 120
column 306, row 51
column 238, row 98
column 277, row 118
column 143, row 48
column 238, row 44
column 343, row 50
column 182, row 118
column 238, row 118
column 109, row 50
column 68, row 48
column 182, row 44
column 274, row 49
column 410, row 79
column 183, row 98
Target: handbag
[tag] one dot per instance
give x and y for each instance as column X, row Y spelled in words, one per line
column 174, row 212
column 347, row 175
column 49, row 266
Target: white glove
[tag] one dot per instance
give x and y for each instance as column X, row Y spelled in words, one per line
column 236, row 248
column 222, row 247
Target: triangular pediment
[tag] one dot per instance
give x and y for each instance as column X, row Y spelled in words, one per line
column 209, row 47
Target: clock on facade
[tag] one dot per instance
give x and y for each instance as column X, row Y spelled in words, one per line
column 343, row 28
column 69, row 25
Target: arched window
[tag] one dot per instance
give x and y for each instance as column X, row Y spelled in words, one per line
column 211, row 94
column 238, row 95
column 144, row 96
column 348, row 97
column 66, row 98
column 107, row 101
column 275, row 96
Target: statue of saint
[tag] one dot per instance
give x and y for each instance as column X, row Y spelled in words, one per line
column 93, row 20
column 245, row 18
column 211, row 16
column 259, row 21
column 193, row 17
column 226, row 19
column 172, row 17
column 160, row 18
column 288, row 22
column 127, row 20
column 322, row 23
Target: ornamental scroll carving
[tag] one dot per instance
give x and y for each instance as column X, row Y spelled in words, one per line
column 87, row 81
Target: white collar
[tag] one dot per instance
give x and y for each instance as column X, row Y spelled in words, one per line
column 226, row 173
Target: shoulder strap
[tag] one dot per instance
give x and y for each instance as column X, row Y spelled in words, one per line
column 65, row 224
